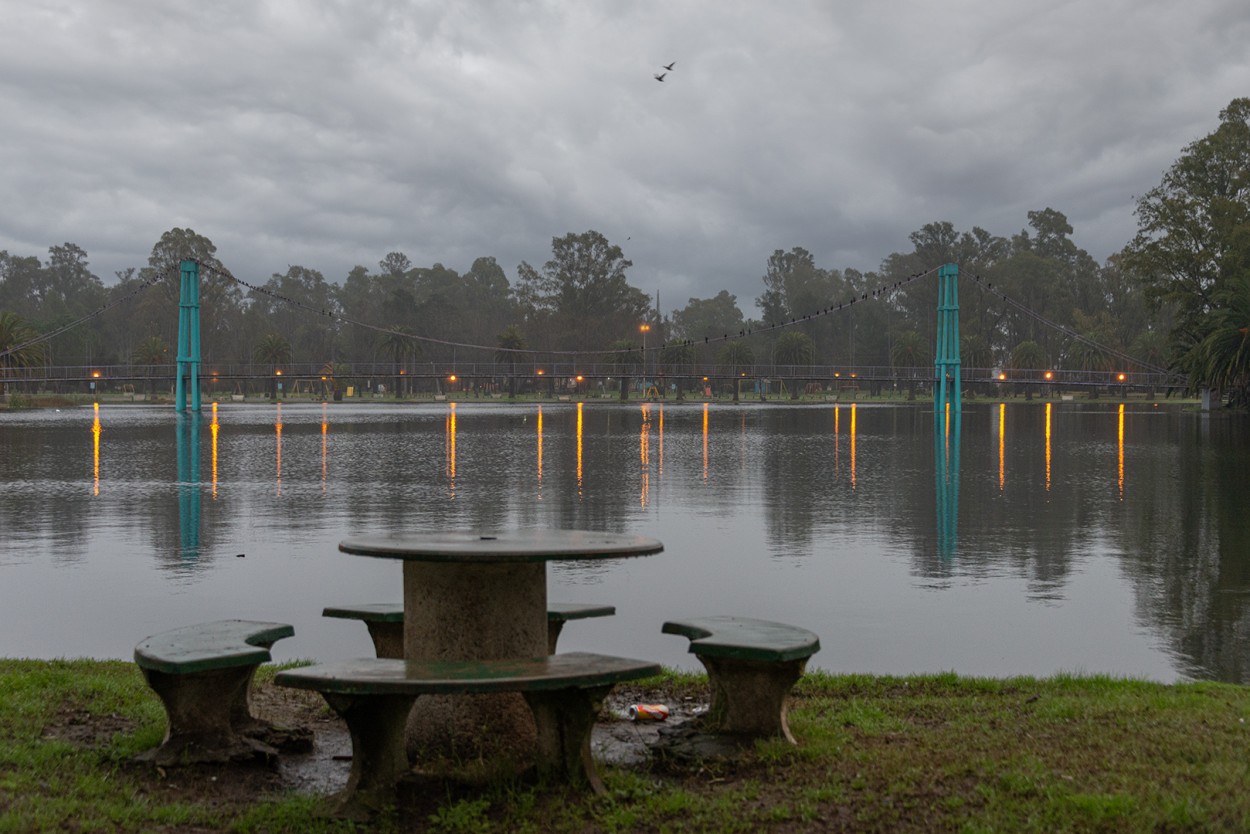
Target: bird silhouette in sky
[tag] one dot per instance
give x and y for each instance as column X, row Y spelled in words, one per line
column 669, row 67
column 659, row 76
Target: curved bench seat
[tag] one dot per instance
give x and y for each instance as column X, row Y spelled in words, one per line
column 203, row 675
column 752, row 665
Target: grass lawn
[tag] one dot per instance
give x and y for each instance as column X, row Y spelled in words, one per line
column 924, row 753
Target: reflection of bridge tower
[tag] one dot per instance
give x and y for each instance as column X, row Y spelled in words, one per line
column 189, row 485
column 189, row 337
column 946, row 481
column 946, row 356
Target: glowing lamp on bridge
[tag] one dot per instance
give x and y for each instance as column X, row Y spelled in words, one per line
column 837, row 373
column 1050, row 375
column 277, row 372
column 1121, row 377
column 854, row 375
column 580, row 377
column 1002, row 376
column 451, row 378
column 539, row 372
column 96, row 374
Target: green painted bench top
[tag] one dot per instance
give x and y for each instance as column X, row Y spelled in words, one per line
column 387, row 676
column 220, row 644
column 386, row 612
column 741, row 638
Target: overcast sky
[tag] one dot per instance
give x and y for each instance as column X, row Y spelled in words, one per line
column 327, row 133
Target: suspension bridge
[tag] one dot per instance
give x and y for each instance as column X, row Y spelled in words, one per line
column 580, row 372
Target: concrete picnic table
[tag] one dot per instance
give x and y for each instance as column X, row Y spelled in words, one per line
column 482, row 596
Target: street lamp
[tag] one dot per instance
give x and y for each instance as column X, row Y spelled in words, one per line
column 644, row 328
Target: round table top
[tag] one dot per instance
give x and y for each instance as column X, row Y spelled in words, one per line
column 488, row 548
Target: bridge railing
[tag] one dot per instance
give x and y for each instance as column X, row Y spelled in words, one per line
column 569, row 374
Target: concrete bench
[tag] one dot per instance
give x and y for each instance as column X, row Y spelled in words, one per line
column 375, row 695
column 203, row 675
column 752, row 665
column 385, row 622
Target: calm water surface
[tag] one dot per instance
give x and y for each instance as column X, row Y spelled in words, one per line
column 1082, row 537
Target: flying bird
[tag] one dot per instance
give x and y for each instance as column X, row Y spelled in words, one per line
column 669, row 67
column 660, row 76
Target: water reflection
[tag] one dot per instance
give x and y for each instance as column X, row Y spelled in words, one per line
column 946, row 476
column 705, row 408
column 644, row 454
column 277, row 433
column 540, row 453
column 213, row 429
column 1120, row 451
column 451, row 449
column 188, row 445
column 1048, row 405
column 1060, row 572
column 95, row 451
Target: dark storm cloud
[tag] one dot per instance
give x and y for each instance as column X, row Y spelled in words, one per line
column 327, row 133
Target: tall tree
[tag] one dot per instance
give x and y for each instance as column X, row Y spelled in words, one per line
column 582, row 293
column 1193, row 234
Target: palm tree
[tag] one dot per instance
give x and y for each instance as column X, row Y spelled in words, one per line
column 1027, row 361
column 398, row 345
column 737, row 354
column 17, row 348
column 794, row 348
column 910, row 351
column 628, row 359
column 150, row 352
column 1221, row 361
column 511, row 340
column 1085, row 355
column 273, row 350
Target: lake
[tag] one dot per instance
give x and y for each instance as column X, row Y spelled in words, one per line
column 1078, row 537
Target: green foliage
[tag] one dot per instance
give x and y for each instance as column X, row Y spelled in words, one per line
column 581, row 298
column 1193, row 241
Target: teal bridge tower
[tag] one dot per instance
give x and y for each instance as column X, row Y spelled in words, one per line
column 946, row 358
column 189, row 338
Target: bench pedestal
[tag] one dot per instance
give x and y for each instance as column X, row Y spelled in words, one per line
column 750, row 697
column 209, row 719
column 565, row 719
column 376, row 724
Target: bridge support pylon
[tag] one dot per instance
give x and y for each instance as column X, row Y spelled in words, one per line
column 946, row 397
column 189, row 337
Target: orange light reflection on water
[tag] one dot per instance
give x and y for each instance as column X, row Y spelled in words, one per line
column 95, row 450
column 325, row 432
column 1048, row 405
column 540, row 453
column 579, row 450
column 837, row 440
column 277, row 427
column 1120, row 445
column 853, row 480
column 451, row 448
column 644, row 454
column 705, row 405
column 1002, row 446
column 213, row 427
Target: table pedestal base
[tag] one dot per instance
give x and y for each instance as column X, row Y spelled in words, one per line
column 458, row 611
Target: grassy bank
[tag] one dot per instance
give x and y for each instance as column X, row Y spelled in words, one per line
column 926, row 753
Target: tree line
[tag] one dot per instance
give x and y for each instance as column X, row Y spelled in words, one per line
column 1176, row 296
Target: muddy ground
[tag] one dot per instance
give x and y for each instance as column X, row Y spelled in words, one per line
column 616, row 740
